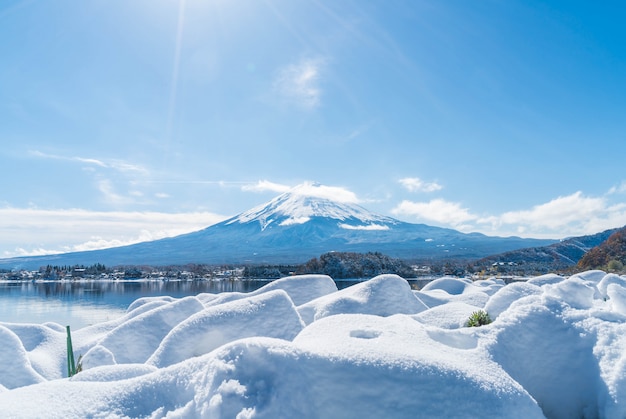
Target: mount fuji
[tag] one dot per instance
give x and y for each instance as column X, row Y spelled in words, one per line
column 293, row 228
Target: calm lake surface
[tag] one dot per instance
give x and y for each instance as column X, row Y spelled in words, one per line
column 83, row 303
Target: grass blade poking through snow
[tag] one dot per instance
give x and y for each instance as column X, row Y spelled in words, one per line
column 71, row 366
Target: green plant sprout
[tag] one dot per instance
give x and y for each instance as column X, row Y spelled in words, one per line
column 478, row 318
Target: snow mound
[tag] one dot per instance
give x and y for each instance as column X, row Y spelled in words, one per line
column 397, row 352
column 617, row 296
column 382, row 295
column 610, row 279
column 493, row 284
column 300, row 288
column 44, row 346
column 98, row 356
column 453, row 286
column 265, row 378
column 545, row 279
column 448, row 316
column 459, row 290
column 594, row 276
column 14, row 363
column 114, row 372
column 148, row 303
column 503, row 299
column 550, row 357
column 575, row 292
column 270, row 314
column 135, row 340
column 556, row 349
column 432, row 299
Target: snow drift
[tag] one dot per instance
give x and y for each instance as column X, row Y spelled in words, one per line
column 300, row 348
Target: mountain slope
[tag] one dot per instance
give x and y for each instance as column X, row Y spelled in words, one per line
column 612, row 249
column 562, row 255
column 293, row 228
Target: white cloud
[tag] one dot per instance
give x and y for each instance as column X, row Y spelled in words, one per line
column 621, row 188
column 564, row 216
column 571, row 215
column 108, row 192
column 83, row 160
column 299, row 83
column 437, row 210
column 413, row 184
column 37, row 231
column 117, row 165
column 357, row 131
column 557, row 213
column 42, row 155
column 103, row 171
column 125, row 167
column 265, row 186
column 335, row 193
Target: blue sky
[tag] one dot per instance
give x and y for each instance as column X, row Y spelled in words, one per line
column 125, row 120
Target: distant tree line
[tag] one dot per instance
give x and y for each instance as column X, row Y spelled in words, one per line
column 52, row 271
column 269, row 271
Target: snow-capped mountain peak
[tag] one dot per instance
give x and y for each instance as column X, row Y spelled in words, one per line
column 294, row 227
column 310, row 200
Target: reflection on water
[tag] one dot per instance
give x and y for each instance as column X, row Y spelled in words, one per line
column 81, row 303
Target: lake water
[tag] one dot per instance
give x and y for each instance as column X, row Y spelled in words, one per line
column 83, row 303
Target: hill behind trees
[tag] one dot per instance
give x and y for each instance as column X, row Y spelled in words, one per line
column 337, row 265
column 342, row 265
column 561, row 256
column 609, row 255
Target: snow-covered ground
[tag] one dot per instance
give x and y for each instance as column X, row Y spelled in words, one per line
column 299, row 348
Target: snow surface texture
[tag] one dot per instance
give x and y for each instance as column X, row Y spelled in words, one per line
column 300, row 348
